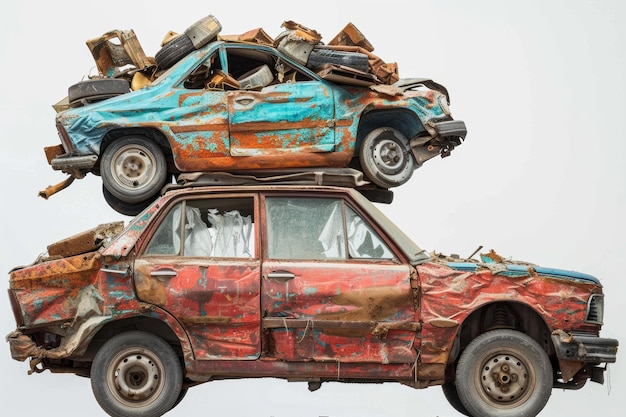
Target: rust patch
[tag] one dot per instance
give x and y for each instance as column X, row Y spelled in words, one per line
column 492, row 255
column 372, row 304
column 87, row 241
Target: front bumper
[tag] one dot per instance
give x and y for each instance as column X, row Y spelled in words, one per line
column 584, row 348
column 441, row 139
column 451, row 128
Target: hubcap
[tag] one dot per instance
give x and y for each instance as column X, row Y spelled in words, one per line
column 505, row 379
column 133, row 167
column 389, row 156
column 135, row 377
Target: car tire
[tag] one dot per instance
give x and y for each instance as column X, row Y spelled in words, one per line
column 133, row 169
column 452, row 395
column 319, row 57
column 96, row 90
column 385, row 157
column 182, row 394
column 136, row 374
column 127, row 209
column 173, row 51
column 504, row 373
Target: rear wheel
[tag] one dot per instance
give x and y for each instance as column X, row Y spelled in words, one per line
column 504, row 373
column 136, row 374
column 133, row 169
column 385, row 157
column 128, row 209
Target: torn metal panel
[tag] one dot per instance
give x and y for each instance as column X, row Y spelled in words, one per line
column 258, row 36
column 115, row 50
column 87, row 241
column 351, row 36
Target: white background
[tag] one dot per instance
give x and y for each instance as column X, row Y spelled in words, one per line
column 541, row 176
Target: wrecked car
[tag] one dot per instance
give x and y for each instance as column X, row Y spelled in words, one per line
column 301, row 282
column 240, row 106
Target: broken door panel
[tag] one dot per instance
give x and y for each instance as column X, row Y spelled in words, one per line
column 200, row 266
column 331, row 289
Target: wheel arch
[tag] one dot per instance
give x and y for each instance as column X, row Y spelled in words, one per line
column 153, row 134
column 160, row 325
column 503, row 315
column 400, row 119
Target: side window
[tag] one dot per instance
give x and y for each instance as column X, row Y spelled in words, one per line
column 206, row 75
column 319, row 229
column 254, row 69
column 220, row 228
column 363, row 241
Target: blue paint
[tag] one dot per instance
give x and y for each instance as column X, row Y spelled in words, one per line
column 310, row 291
column 522, row 270
column 299, row 113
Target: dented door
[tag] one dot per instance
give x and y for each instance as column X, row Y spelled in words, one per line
column 282, row 119
column 331, row 288
column 200, row 266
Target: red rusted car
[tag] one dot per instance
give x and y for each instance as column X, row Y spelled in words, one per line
column 305, row 281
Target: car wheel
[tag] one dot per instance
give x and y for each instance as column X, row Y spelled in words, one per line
column 452, row 395
column 504, row 373
column 385, row 157
column 128, row 209
column 95, row 90
column 173, row 51
column 133, row 169
column 320, row 57
column 136, row 374
column 182, row 394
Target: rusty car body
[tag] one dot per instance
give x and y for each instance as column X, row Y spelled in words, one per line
column 211, row 112
column 306, row 283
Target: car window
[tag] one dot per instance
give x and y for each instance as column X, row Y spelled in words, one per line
column 319, row 229
column 221, row 228
column 206, row 74
column 254, row 69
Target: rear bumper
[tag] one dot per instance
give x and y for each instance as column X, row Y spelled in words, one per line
column 68, row 163
column 584, row 348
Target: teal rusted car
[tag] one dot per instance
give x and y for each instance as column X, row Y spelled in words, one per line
column 240, row 107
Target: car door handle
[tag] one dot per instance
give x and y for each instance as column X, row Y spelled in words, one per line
column 281, row 276
column 163, row 274
column 244, row 101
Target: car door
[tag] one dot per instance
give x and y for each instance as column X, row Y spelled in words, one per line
column 200, row 265
column 332, row 289
column 197, row 117
column 290, row 113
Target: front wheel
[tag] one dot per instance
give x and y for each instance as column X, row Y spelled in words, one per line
column 136, row 374
column 452, row 395
column 385, row 157
column 504, row 373
column 133, row 169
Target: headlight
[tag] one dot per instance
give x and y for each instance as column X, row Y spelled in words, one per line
column 595, row 309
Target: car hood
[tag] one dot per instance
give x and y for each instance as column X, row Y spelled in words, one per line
column 500, row 266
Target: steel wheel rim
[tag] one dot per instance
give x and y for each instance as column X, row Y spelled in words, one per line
column 505, row 380
column 133, row 167
column 389, row 156
column 135, row 377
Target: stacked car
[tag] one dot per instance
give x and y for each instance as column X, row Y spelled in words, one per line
column 257, row 251
column 245, row 104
